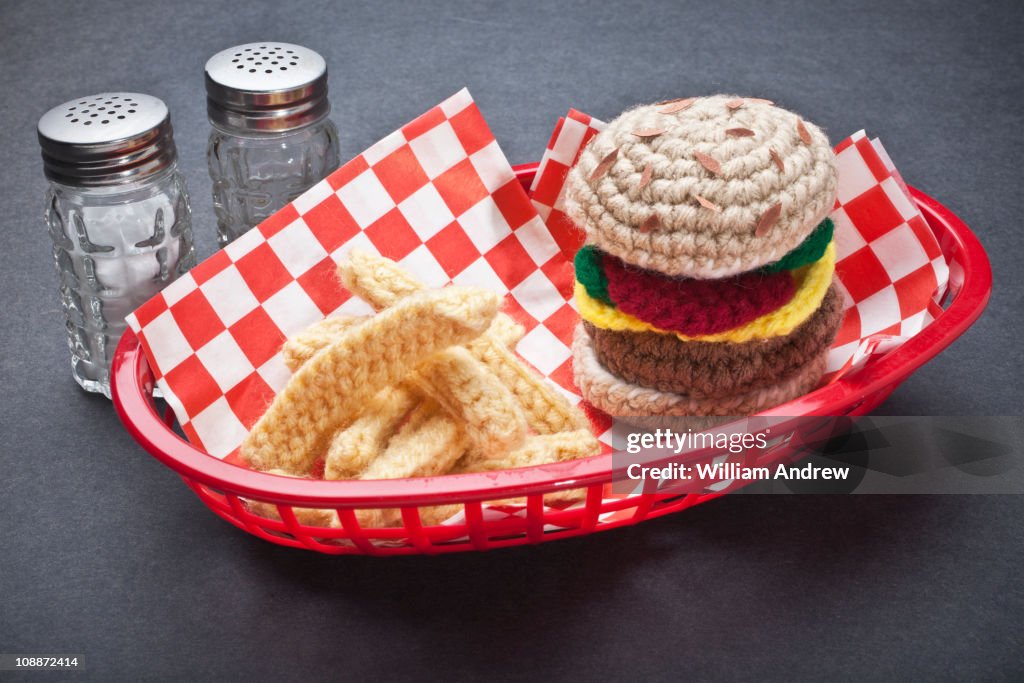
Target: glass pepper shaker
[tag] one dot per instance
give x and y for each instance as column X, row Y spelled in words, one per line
column 272, row 139
column 118, row 214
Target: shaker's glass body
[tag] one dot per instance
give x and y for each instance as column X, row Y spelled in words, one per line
column 114, row 247
column 256, row 173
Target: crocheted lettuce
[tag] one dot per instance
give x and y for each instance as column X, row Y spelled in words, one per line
column 590, row 273
column 808, row 251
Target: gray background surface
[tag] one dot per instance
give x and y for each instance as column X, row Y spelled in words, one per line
column 105, row 553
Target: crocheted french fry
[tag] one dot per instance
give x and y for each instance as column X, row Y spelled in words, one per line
column 306, row 516
column 546, row 411
column 540, row 449
column 331, row 388
column 490, row 415
column 428, row 444
column 381, row 282
column 354, row 448
column 324, row 517
column 505, row 331
column 376, row 280
column 430, row 515
column 300, row 347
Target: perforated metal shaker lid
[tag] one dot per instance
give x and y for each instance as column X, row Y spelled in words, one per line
column 267, row 87
column 106, row 139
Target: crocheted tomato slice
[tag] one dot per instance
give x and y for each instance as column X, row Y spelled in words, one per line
column 695, row 307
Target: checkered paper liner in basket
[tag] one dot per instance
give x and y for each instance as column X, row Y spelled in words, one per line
column 889, row 265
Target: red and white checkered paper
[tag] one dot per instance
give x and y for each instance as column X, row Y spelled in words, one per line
column 889, row 265
column 437, row 195
column 571, row 135
column 888, row 262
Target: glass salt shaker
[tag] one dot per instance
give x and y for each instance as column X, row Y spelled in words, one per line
column 118, row 214
column 272, row 139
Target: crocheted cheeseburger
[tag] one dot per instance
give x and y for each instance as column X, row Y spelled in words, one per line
column 705, row 284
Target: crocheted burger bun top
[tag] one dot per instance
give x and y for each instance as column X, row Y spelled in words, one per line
column 703, row 188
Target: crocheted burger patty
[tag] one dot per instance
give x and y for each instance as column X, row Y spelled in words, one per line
column 715, row 369
column 706, row 188
column 619, row 397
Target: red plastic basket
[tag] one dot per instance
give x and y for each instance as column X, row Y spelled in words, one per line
column 225, row 487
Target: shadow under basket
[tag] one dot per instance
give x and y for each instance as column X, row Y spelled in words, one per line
column 479, row 524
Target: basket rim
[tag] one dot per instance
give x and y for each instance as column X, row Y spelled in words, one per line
column 132, row 389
